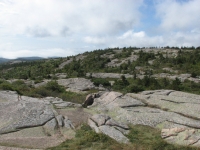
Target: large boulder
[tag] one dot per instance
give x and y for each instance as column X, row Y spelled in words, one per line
column 90, row 99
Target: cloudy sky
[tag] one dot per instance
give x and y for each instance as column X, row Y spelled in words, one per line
column 67, row 27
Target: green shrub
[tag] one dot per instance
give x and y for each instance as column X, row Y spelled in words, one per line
column 98, row 81
column 54, row 86
column 134, row 88
column 6, row 86
column 73, row 97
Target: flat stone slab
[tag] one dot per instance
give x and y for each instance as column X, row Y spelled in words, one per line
column 32, row 122
column 173, row 101
column 182, row 136
column 108, row 75
column 105, row 124
column 18, row 115
column 80, row 84
column 63, row 104
column 113, row 100
column 100, row 119
column 114, row 133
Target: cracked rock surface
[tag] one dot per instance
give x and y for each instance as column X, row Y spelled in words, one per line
column 33, row 122
column 176, row 113
column 105, row 124
column 46, row 122
column 76, row 84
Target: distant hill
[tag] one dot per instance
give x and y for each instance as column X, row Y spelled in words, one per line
column 3, row 60
column 29, row 58
column 20, row 59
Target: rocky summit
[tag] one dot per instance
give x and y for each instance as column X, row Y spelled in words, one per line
column 175, row 113
column 45, row 122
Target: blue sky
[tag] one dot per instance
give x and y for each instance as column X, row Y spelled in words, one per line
column 67, row 27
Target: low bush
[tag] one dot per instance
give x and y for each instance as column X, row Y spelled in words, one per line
column 98, row 81
column 6, row 86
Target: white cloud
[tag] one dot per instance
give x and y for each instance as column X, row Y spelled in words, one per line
column 139, row 39
column 183, row 39
column 66, row 27
column 64, row 17
column 39, row 52
column 178, row 15
column 95, row 40
column 131, row 34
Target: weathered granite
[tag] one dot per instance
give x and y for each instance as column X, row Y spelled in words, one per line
column 31, row 121
column 163, row 109
column 173, row 101
column 23, row 115
column 117, row 62
column 112, row 122
column 105, row 124
column 182, row 136
column 93, row 125
column 51, row 126
column 60, row 120
column 63, row 104
column 114, row 133
column 108, row 75
column 100, row 119
column 80, row 84
column 62, row 65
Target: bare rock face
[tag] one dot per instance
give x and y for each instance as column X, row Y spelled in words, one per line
column 76, row 84
column 100, row 119
column 15, row 115
column 105, row 124
column 176, row 113
column 114, row 133
column 60, row 120
column 173, row 101
column 62, row 65
column 31, row 122
column 108, row 75
column 182, row 136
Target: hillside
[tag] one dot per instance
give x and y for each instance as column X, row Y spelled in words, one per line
column 143, row 69
column 120, row 98
column 3, row 60
column 19, row 60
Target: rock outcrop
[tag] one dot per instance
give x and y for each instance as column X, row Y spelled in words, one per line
column 33, row 122
column 105, row 124
column 28, row 121
column 108, row 75
column 76, row 84
column 90, row 99
column 175, row 113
